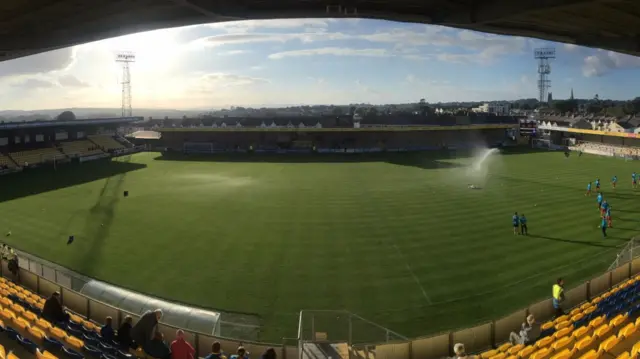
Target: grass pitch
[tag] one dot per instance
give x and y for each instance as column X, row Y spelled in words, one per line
column 396, row 238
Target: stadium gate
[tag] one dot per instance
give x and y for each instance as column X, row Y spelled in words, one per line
column 629, row 252
column 340, row 334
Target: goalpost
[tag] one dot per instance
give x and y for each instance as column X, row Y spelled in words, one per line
column 53, row 159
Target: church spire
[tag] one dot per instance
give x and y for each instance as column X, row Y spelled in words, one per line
column 571, row 94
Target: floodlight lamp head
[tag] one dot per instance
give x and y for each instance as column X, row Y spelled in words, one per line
column 125, row 57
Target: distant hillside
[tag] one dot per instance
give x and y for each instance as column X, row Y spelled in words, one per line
column 49, row 114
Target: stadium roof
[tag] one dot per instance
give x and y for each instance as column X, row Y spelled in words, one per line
column 32, row 26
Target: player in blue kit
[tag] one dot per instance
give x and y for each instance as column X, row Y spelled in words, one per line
column 598, row 185
column 603, row 225
column 607, row 215
column 599, row 199
column 614, row 180
column 588, row 190
column 523, row 225
column 516, row 223
column 603, row 208
column 634, row 182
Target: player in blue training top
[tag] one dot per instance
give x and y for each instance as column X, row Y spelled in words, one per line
column 599, row 200
column 603, row 209
column 607, row 215
column 516, row 223
column 603, row 225
column 597, row 184
column 588, row 190
column 523, row 225
column 614, row 180
column 634, row 182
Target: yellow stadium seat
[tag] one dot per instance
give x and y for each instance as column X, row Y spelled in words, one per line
column 75, row 319
column 580, row 332
column 512, row 357
column 591, row 354
column 602, row 331
column 609, row 343
column 543, row 353
column 3, row 353
column 584, row 342
column 90, row 326
column 589, row 310
column 624, row 355
column 499, row 356
column 7, row 315
column 564, row 324
column 544, row 342
column 618, row 320
column 561, row 319
column 504, row 347
column 30, row 316
column 596, row 322
column 12, row 356
column 488, row 354
column 21, row 324
column 528, row 350
column 75, row 343
column 563, row 343
column 6, row 302
column 627, row 330
column 43, row 324
column 577, row 317
column 564, row 354
column 140, row 354
column 635, row 349
column 58, row 333
column 37, row 334
column 575, row 311
column 563, row 332
column 18, row 309
column 514, row 350
column 45, row 355
column 585, row 306
column 547, row 325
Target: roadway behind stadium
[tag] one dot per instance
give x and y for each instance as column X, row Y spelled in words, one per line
column 399, row 239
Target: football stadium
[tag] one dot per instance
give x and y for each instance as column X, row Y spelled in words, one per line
column 386, row 238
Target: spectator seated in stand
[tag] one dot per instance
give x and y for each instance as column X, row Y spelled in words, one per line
column 124, row 334
column 157, row 348
column 528, row 334
column 269, row 354
column 241, row 353
column 53, row 311
column 180, row 348
column 460, row 352
column 216, row 352
column 146, row 327
column 107, row 331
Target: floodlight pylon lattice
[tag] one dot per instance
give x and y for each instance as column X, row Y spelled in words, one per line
column 125, row 59
column 543, row 55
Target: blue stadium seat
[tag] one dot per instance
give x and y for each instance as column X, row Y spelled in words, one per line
column 11, row 333
column 580, row 323
column 108, row 349
column 52, row 345
column 546, row 333
column 123, row 355
column 89, row 340
column 71, row 354
column 75, row 332
column 107, row 356
column 30, row 346
column 92, row 352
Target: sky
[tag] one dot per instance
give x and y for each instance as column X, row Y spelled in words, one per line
column 309, row 61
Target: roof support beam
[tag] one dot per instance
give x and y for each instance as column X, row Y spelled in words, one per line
column 204, row 10
column 494, row 10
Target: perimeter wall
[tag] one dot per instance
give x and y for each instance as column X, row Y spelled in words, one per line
column 44, row 281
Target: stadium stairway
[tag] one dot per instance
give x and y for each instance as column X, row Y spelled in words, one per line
column 607, row 327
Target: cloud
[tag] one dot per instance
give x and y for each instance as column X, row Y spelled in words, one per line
column 34, row 84
column 244, row 38
column 344, row 51
column 234, row 52
column 41, row 63
column 603, row 62
column 247, row 25
column 71, row 81
column 335, row 51
column 229, row 80
column 570, row 47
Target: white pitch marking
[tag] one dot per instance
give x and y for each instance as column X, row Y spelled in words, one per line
column 424, row 293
